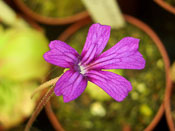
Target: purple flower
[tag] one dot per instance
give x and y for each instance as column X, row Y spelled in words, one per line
column 88, row 66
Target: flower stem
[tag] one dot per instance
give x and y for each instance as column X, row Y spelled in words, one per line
column 42, row 102
column 45, row 85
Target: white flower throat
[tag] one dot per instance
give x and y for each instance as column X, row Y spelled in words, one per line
column 82, row 69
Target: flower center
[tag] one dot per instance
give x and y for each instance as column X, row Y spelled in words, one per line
column 81, row 69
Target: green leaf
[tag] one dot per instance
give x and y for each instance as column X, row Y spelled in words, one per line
column 21, row 54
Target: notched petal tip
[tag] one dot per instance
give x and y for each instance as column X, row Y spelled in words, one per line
column 143, row 64
column 98, row 25
column 53, row 43
column 100, row 29
column 67, row 99
column 121, row 99
column 129, row 89
column 131, row 38
column 104, row 29
column 46, row 56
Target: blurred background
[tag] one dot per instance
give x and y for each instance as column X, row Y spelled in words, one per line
column 27, row 26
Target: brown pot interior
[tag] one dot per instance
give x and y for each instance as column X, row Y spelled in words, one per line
column 48, row 20
column 166, row 6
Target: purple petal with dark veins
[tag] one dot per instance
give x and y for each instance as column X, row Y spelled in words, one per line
column 123, row 55
column 115, row 85
column 61, row 54
column 96, row 41
column 70, row 85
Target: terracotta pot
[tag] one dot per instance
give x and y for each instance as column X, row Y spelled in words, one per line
column 166, row 6
column 49, row 20
column 168, row 110
column 72, row 29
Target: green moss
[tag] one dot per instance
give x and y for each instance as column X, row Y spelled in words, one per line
column 142, row 103
column 55, row 8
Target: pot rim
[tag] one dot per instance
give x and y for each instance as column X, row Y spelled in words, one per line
column 139, row 24
column 49, row 20
column 168, row 108
column 166, row 6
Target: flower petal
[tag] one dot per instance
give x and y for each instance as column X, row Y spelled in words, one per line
column 123, row 55
column 115, row 85
column 96, row 41
column 61, row 54
column 70, row 85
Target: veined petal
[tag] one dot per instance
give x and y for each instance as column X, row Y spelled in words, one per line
column 123, row 55
column 115, row 85
column 96, row 41
column 70, row 85
column 61, row 54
